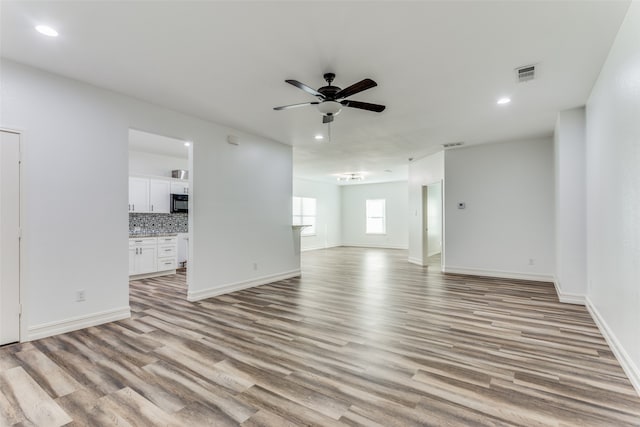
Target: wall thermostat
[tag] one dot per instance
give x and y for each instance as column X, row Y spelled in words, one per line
column 461, row 205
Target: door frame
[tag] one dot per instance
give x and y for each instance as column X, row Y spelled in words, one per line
column 424, row 223
column 23, row 330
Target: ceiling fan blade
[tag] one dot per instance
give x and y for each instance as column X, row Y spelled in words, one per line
column 355, row 88
column 286, row 107
column 363, row 106
column 328, row 118
column 305, row 88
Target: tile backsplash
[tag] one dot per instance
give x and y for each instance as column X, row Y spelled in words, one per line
column 158, row 223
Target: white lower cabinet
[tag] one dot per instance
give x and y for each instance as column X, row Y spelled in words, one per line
column 143, row 255
column 152, row 254
column 167, row 253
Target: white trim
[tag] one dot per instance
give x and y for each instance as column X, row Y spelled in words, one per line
column 237, row 286
column 498, row 273
column 630, row 368
column 74, row 323
column 154, row 274
column 315, row 248
column 566, row 297
column 374, row 245
column 416, row 261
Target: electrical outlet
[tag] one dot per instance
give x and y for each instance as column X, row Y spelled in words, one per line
column 80, row 295
column 255, row 266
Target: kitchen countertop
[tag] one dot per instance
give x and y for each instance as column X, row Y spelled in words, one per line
column 138, row 235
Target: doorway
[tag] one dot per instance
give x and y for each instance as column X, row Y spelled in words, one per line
column 9, row 237
column 432, row 229
column 160, row 189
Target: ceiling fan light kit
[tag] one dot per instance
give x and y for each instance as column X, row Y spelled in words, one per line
column 330, row 107
column 332, row 98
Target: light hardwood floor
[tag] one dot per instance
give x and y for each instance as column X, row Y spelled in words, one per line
column 363, row 338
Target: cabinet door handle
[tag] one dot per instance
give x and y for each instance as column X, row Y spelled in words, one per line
column 167, row 250
column 151, row 208
column 133, row 207
column 129, row 206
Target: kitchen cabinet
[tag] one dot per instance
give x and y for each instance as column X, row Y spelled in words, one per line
column 149, row 195
column 180, row 187
column 159, row 196
column 143, row 255
column 138, row 194
column 148, row 255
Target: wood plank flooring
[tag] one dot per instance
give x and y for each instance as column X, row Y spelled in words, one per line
column 363, row 338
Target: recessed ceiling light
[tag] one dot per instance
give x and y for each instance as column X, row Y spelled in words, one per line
column 504, row 100
column 187, row 144
column 46, row 30
column 319, row 137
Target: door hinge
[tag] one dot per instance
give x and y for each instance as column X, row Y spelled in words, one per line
column 19, row 233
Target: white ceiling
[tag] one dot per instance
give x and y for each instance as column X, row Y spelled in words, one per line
column 157, row 144
column 440, row 66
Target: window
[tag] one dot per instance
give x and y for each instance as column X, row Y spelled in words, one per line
column 376, row 221
column 304, row 213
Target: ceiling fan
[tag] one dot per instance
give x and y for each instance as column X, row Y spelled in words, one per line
column 331, row 99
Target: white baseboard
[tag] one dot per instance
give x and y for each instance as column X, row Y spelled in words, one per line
column 372, row 245
column 73, row 324
column 238, row 286
column 416, row 261
column 315, row 248
column 568, row 298
column 498, row 273
column 150, row 275
column 630, row 368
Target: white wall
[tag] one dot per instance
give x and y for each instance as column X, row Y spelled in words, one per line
column 154, row 164
column 613, row 196
column 328, row 220
column 424, row 171
column 75, row 225
column 509, row 215
column 354, row 199
column 571, row 205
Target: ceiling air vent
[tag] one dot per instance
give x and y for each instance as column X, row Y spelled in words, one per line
column 526, row 73
column 452, row 144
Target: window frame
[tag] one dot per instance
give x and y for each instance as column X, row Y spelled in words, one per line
column 383, row 217
column 300, row 219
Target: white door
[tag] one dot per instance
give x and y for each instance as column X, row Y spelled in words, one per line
column 138, row 194
column 9, row 237
column 159, row 196
column 432, row 223
column 147, row 258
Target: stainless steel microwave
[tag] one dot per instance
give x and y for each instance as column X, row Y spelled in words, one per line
column 179, row 203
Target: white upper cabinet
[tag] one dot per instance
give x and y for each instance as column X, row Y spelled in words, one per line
column 138, row 194
column 159, row 196
column 153, row 194
column 179, row 187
